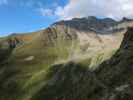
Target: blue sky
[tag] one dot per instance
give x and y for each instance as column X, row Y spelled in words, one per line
column 18, row 16
column 26, row 15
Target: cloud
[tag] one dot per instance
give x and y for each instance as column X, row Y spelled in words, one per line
column 46, row 12
column 3, row 2
column 105, row 8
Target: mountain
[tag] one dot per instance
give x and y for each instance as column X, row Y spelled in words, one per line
column 112, row 80
column 63, row 43
column 73, row 39
column 33, row 62
column 89, row 23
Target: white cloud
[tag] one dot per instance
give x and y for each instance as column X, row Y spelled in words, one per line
column 46, row 12
column 106, row 8
column 3, row 2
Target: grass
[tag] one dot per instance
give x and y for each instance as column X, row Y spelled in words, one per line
column 25, row 80
column 27, row 76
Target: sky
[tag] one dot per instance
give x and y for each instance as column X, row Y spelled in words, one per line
column 18, row 16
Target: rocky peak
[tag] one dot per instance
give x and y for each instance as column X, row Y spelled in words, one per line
column 88, row 23
column 13, row 42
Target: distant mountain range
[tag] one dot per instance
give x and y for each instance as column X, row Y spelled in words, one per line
column 92, row 23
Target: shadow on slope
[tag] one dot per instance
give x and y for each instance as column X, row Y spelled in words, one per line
column 67, row 82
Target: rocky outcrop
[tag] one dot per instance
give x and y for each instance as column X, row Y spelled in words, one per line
column 90, row 23
column 116, row 73
column 6, row 48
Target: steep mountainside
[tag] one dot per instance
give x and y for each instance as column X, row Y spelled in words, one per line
column 46, row 64
column 112, row 80
column 68, row 40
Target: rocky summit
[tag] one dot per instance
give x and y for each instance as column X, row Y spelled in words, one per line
column 79, row 59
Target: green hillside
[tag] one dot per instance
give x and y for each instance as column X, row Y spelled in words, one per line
column 54, row 64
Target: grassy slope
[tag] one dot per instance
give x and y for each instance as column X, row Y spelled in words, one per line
column 24, row 77
column 21, row 79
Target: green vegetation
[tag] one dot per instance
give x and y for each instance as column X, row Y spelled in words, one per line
column 51, row 65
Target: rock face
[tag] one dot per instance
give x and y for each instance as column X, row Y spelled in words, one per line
column 6, row 48
column 116, row 73
column 90, row 23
